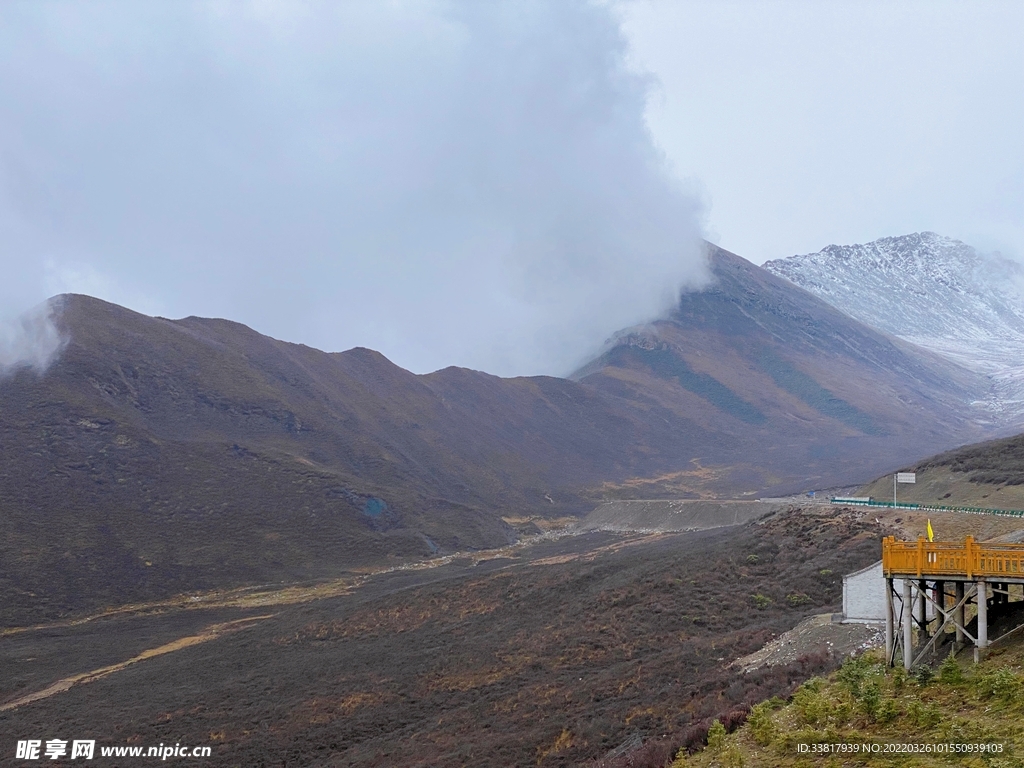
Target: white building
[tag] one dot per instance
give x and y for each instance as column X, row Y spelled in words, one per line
column 864, row 596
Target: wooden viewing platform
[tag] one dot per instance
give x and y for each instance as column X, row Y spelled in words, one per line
column 920, row 608
column 953, row 561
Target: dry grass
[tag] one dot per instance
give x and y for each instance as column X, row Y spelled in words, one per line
column 629, row 636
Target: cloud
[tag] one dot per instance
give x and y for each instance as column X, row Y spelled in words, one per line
column 451, row 183
column 31, row 340
column 814, row 122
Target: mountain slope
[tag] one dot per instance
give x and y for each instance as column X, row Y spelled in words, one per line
column 930, row 290
column 159, row 456
column 795, row 389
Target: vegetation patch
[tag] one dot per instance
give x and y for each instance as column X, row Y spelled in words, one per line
column 798, row 383
column 579, row 653
column 867, row 703
column 665, row 364
column 997, row 462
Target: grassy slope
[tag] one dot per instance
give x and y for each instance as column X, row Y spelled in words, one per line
column 988, row 474
column 866, row 703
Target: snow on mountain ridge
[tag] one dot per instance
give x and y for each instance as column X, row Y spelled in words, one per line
column 931, row 290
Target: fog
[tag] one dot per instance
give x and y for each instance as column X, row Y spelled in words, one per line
column 449, row 183
column 30, row 340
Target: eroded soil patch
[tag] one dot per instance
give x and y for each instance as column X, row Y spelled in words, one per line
column 210, row 633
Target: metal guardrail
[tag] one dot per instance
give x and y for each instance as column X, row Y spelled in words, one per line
column 928, row 507
column 942, row 558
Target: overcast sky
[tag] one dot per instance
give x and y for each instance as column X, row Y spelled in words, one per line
column 811, row 123
column 495, row 185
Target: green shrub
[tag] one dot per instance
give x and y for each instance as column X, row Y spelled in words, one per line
column 923, row 716
column 923, row 674
column 733, row 757
column 716, row 736
column 950, row 672
column 761, row 601
column 810, row 702
column 852, row 674
column 762, row 726
column 888, row 711
column 681, row 760
column 815, row 684
column 899, row 678
column 1002, row 684
column 870, row 700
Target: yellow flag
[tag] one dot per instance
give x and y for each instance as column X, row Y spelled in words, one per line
column 931, row 533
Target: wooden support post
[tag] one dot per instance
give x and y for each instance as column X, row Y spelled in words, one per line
column 908, row 626
column 982, row 599
column 958, row 616
column 889, row 607
column 921, row 611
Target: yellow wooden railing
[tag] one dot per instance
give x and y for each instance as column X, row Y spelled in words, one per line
column 944, row 558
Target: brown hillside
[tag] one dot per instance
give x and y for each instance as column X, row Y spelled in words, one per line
column 159, row 456
column 799, row 394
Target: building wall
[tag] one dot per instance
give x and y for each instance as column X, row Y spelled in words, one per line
column 864, row 594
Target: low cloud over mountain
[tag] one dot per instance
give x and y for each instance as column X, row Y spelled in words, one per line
column 469, row 184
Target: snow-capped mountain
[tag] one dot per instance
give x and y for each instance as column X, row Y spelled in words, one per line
column 933, row 291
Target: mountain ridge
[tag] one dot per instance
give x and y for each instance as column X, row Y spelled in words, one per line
column 766, row 346
column 933, row 291
column 157, row 456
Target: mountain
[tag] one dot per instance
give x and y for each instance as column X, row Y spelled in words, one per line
column 795, row 391
column 933, row 291
column 155, row 456
column 158, row 456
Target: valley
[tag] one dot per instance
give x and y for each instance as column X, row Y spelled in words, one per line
column 552, row 654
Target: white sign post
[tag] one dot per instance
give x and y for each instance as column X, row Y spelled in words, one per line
column 901, row 477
